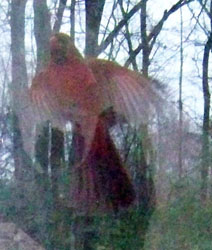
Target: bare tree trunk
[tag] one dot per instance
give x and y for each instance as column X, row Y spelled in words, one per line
column 41, row 169
column 42, row 159
column 19, row 83
column 72, row 19
column 23, row 166
column 56, row 162
column 42, row 33
column 42, row 29
column 94, row 10
column 206, row 120
column 145, row 49
column 50, row 142
column 59, row 16
column 180, row 150
column 145, row 177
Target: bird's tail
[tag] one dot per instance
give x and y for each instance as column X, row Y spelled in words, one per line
column 101, row 181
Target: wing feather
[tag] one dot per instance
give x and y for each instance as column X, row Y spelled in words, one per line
column 129, row 93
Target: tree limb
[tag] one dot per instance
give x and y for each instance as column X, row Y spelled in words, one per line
column 156, row 30
column 128, row 36
column 206, row 116
column 59, row 16
column 120, row 25
column 72, row 19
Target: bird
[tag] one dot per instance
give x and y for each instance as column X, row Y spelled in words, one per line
column 93, row 94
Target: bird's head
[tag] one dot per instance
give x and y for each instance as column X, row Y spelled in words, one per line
column 59, row 44
column 62, row 48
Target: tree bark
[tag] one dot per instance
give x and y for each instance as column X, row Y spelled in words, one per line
column 19, row 83
column 206, row 121
column 42, row 30
column 144, row 39
column 72, row 19
column 50, row 141
column 180, row 145
column 56, row 162
column 59, row 16
column 22, row 162
column 42, row 160
column 94, row 10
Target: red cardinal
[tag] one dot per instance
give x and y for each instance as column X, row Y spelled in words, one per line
column 88, row 93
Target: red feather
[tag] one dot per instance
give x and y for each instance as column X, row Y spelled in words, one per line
column 101, row 181
column 88, row 93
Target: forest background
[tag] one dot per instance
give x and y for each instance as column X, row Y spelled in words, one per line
column 169, row 161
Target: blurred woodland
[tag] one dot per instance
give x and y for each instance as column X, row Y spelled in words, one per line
column 169, row 159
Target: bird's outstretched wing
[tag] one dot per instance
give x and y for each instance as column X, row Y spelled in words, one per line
column 129, row 93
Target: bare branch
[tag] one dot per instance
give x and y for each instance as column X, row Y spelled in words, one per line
column 156, row 30
column 128, row 36
column 72, row 19
column 59, row 16
column 203, row 5
column 133, row 54
column 116, row 30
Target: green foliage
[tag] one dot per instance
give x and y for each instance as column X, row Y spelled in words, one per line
column 182, row 223
column 125, row 231
column 7, row 208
